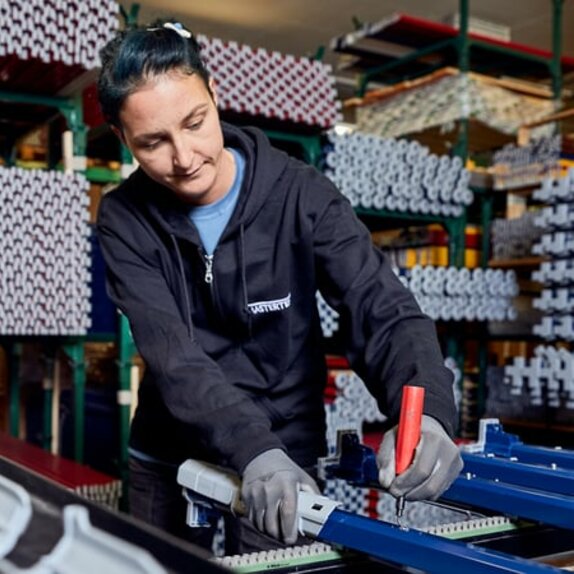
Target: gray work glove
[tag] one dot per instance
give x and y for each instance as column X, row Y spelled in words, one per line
column 436, row 463
column 270, row 486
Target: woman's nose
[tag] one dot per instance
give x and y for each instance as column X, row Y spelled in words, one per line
column 182, row 156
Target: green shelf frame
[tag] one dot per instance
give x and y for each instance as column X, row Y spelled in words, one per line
column 310, row 144
column 71, row 108
column 454, row 226
column 73, row 348
column 103, row 175
column 463, row 45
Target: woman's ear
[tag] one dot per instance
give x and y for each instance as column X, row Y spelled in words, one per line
column 213, row 90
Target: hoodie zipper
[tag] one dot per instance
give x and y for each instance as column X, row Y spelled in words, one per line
column 208, row 278
column 208, row 260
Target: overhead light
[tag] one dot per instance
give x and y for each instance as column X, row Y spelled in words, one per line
column 342, row 128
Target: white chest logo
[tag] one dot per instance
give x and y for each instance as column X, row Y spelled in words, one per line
column 270, row 306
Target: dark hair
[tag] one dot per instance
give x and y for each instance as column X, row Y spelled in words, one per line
column 136, row 54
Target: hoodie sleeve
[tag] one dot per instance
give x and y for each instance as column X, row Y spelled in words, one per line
column 389, row 341
column 191, row 384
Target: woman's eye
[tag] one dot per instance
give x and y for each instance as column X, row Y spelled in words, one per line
column 195, row 125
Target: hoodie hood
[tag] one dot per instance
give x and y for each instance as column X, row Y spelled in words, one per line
column 265, row 166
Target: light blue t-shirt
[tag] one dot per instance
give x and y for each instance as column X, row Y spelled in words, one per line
column 210, row 220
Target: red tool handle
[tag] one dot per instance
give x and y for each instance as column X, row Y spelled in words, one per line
column 409, row 426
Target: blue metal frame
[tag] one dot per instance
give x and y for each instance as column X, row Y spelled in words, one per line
column 556, row 481
column 501, row 443
column 532, row 483
column 429, row 553
column 531, row 504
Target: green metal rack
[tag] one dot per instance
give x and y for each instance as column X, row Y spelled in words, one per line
column 71, row 108
column 463, row 44
column 73, row 348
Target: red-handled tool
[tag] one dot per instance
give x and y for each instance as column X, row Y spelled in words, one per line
column 409, row 433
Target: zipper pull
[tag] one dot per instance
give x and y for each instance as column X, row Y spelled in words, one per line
column 208, row 277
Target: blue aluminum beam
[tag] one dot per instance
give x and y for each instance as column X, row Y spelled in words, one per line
column 543, row 478
column 426, row 552
column 501, row 443
column 539, row 455
column 321, row 518
column 538, row 493
column 531, row 504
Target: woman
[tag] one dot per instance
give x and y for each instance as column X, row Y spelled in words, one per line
column 215, row 249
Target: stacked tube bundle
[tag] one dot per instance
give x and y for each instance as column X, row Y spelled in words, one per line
column 44, row 253
column 396, row 175
column 70, row 32
column 514, row 238
column 522, row 165
column 449, row 294
column 442, row 102
column 547, row 377
column 453, row 294
column 556, row 222
column 256, row 82
column 328, row 316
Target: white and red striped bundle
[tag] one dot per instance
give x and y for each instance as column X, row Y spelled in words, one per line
column 70, row 32
column 260, row 83
column 44, row 253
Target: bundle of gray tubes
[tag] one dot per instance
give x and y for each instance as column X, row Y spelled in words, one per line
column 328, row 316
column 514, row 238
column 547, row 378
column 441, row 103
column 556, row 220
column 519, row 166
column 556, row 191
column 453, row 294
column 396, row 175
column 449, row 294
column 70, row 32
column 256, row 82
column 44, row 253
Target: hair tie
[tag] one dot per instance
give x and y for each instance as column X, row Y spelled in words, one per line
column 176, row 27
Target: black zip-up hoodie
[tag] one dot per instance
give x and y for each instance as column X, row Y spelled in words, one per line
column 236, row 366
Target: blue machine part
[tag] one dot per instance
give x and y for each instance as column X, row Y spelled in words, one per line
column 555, row 509
column 494, row 440
column 542, row 478
column 429, row 553
column 354, row 462
column 321, row 518
column 533, row 491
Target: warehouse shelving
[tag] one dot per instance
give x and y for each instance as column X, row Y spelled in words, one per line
column 408, row 44
column 547, row 389
column 454, row 226
column 402, row 51
column 41, row 85
column 402, row 46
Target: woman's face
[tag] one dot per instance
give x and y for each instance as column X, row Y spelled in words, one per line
column 171, row 126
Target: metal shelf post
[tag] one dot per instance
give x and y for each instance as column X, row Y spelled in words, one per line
column 14, row 353
column 126, row 351
column 75, row 352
